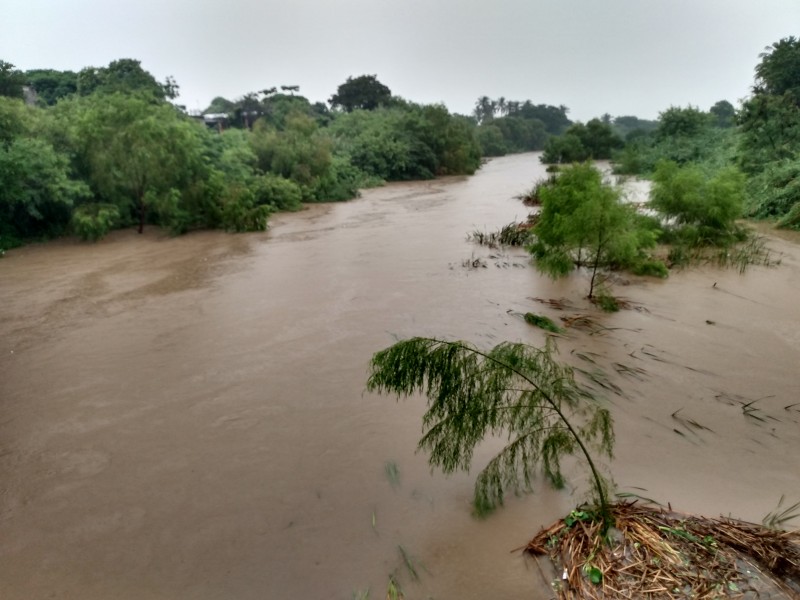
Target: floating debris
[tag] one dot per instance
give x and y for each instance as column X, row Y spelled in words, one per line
column 653, row 552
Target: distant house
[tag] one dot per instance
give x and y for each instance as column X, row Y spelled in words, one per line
column 217, row 121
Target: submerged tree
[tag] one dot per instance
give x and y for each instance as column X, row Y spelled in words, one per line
column 584, row 223
column 512, row 390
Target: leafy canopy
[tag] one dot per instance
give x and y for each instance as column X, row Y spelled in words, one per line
column 364, row 92
column 778, row 73
column 12, row 80
column 594, row 140
column 513, row 390
column 584, row 224
column 704, row 207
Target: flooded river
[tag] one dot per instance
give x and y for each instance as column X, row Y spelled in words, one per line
column 186, row 417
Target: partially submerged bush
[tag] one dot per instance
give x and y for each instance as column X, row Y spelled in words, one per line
column 792, row 219
column 513, row 234
column 542, row 322
column 277, row 192
column 240, row 212
column 698, row 209
column 606, row 301
column 533, row 197
column 93, row 221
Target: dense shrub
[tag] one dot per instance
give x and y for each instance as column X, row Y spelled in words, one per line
column 93, row 221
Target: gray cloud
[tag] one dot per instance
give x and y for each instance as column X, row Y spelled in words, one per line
column 619, row 56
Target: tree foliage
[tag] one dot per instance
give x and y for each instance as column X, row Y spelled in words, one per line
column 723, row 114
column 508, row 126
column 136, row 153
column 37, row 192
column 677, row 121
column 363, row 92
column 584, row 224
column 702, row 209
column 594, row 140
column 684, row 136
column 770, row 126
column 12, row 80
column 407, row 142
column 51, row 85
column 125, row 76
column 514, row 391
column 778, row 73
column 104, row 148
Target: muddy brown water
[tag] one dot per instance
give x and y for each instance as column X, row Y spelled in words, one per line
column 186, row 417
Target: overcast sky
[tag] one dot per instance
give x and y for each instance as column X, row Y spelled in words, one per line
column 624, row 57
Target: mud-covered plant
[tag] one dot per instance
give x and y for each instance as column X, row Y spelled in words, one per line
column 513, row 390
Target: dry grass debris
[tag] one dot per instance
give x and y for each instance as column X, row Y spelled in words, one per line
column 655, row 553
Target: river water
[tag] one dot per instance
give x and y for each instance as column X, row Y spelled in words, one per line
column 186, row 417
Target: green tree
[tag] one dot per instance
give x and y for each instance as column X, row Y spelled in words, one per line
column 364, row 92
column 135, row 153
column 594, row 140
column 37, row 192
column 567, row 148
column 126, row 76
column 299, row 152
column 584, row 224
column 676, row 122
column 778, row 73
column 554, row 118
column 16, row 118
column 724, row 114
column 626, row 125
column 381, row 144
column 51, row 85
column 220, row 105
column 513, row 391
column 702, row 209
column 12, row 80
column 770, row 133
column 492, row 140
column 484, row 110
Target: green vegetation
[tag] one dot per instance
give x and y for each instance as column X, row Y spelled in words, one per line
column 73, row 145
column 542, row 322
column 513, row 234
column 11, row 80
column 761, row 139
column 406, row 141
column 583, row 223
column 770, row 134
column 594, row 140
column 513, row 390
column 104, row 148
column 508, row 126
column 698, row 209
column 364, row 92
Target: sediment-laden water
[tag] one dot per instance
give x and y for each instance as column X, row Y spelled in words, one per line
column 186, row 417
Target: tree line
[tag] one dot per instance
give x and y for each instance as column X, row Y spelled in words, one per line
column 757, row 144
column 103, row 148
column 106, row 147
